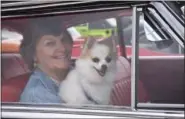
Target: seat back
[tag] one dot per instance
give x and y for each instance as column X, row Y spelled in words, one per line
column 121, row 94
column 13, row 87
column 12, row 65
column 123, row 68
column 15, row 74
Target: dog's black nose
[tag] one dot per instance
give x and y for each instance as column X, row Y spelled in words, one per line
column 104, row 67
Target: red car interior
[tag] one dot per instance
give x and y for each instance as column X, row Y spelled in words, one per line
column 12, row 86
column 164, row 78
column 160, row 79
column 12, row 65
column 121, row 94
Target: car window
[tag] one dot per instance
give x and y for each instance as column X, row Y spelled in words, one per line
column 149, row 40
column 182, row 8
column 115, row 68
column 10, row 41
column 159, row 63
column 102, row 32
column 7, row 34
column 99, row 29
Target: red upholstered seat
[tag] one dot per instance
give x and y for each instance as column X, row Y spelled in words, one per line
column 12, row 88
column 123, row 68
column 12, row 65
column 121, row 94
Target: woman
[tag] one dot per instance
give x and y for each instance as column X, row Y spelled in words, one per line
column 46, row 49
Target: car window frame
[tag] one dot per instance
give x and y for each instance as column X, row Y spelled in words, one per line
column 131, row 113
column 135, row 70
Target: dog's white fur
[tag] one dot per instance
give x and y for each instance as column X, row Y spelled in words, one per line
column 85, row 77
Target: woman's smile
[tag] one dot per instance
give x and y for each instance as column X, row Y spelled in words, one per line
column 61, row 56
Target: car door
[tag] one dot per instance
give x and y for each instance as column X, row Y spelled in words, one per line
column 17, row 15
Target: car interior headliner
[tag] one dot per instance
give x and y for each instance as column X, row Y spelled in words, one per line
column 19, row 24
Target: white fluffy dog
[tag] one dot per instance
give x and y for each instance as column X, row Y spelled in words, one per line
column 91, row 81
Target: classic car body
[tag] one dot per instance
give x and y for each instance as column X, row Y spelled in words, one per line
column 155, row 86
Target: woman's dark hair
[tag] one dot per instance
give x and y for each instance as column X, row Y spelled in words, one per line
column 37, row 28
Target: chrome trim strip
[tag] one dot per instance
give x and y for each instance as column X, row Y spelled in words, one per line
column 169, row 22
column 163, row 105
column 49, row 115
column 63, row 105
column 173, row 13
column 43, row 6
column 160, row 57
column 30, row 2
column 67, row 12
column 162, row 111
column 135, row 26
column 9, row 110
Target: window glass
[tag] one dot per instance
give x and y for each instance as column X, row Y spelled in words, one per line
column 8, row 35
column 10, row 41
column 182, row 8
column 160, row 66
column 46, row 47
column 149, row 40
column 97, row 29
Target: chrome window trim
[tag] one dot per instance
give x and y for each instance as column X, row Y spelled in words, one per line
column 49, row 115
column 19, row 111
column 135, row 27
column 175, row 56
column 150, row 105
column 68, row 12
column 45, row 6
column 171, row 24
column 135, row 67
column 170, row 9
column 32, row 2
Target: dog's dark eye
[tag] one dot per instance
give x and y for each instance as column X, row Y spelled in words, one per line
column 95, row 60
column 108, row 59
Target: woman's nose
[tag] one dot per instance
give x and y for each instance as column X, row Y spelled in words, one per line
column 60, row 46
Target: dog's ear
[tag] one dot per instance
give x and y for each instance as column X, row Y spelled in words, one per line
column 87, row 46
column 107, row 41
column 89, row 43
column 111, row 43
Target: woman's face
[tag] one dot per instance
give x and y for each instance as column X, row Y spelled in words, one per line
column 53, row 52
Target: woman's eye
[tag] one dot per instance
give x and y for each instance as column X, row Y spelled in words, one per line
column 51, row 43
column 96, row 60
